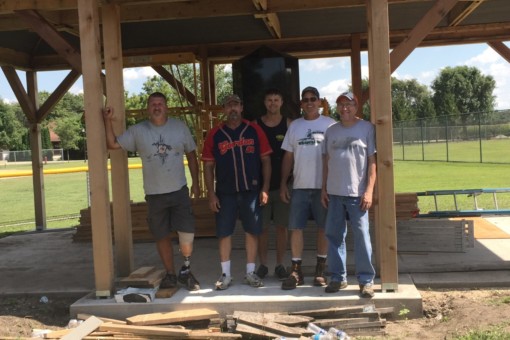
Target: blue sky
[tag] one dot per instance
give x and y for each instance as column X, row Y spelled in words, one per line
column 332, row 75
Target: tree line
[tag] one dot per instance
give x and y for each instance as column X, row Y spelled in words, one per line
column 459, row 91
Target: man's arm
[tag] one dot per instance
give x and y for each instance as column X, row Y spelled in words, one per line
column 367, row 198
column 266, row 178
column 287, row 162
column 191, row 157
column 324, row 191
column 214, row 203
column 111, row 139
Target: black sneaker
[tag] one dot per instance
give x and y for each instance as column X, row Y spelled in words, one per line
column 335, row 286
column 187, row 279
column 262, row 271
column 280, row 272
column 169, row 281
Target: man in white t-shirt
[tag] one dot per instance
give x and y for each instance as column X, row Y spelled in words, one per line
column 303, row 146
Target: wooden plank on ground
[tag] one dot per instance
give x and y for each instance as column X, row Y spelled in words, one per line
column 81, row 316
column 84, row 329
column 329, row 312
column 145, row 330
column 258, row 320
column 172, row 317
column 206, row 334
column 253, row 332
column 284, row 319
column 57, row 334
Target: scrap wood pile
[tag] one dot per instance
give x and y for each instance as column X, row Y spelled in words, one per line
column 206, row 324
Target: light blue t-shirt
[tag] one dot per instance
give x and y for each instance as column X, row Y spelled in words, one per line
column 162, row 150
column 348, row 149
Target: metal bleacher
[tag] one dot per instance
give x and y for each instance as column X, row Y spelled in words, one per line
column 477, row 210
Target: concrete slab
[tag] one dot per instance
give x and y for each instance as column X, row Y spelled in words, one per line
column 270, row 298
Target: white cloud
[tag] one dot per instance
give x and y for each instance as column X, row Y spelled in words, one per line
column 333, row 89
column 138, row 73
column 323, row 64
column 76, row 89
column 491, row 63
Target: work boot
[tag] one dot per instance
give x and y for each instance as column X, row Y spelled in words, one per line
column 319, row 278
column 295, row 278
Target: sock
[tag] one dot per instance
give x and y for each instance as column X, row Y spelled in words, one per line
column 225, row 267
column 187, row 261
column 322, row 256
column 250, row 268
column 296, row 259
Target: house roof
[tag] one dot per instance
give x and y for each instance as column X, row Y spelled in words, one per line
column 153, row 31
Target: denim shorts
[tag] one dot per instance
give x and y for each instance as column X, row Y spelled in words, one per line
column 243, row 205
column 306, row 204
column 275, row 210
column 170, row 212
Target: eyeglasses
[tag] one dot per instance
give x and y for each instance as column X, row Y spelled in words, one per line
column 348, row 105
column 311, row 99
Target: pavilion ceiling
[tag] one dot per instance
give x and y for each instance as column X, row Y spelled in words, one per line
column 156, row 32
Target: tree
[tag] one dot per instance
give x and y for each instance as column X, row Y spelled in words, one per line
column 69, row 130
column 463, row 91
column 11, row 129
column 410, row 100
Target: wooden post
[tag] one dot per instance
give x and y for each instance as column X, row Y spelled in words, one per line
column 88, row 15
column 122, row 224
column 356, row 68
column 381, row 116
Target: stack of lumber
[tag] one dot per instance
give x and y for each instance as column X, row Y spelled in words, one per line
column 143, row 277
column 205, row 323
column 204, row 219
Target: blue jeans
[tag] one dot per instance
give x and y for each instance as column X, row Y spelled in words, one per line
column 336, row 230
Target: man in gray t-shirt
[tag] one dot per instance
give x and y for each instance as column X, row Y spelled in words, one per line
column 162, row 143
column 349, row 177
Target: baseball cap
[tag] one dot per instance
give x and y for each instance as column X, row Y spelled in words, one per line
column 231, row 98
column 310, row 89
column 349, row 96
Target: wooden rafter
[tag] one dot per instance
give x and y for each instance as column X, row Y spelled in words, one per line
column 461, row 11
column 501, row 48
column 175, row 83
column 21, row 94
column 270, row 18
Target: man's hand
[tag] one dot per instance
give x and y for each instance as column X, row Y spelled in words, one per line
column 324, row 198
column 284, row 194
column 214, row 202
column 263, row 197
column 108, row 113
column 366, row 201
column 194, row 191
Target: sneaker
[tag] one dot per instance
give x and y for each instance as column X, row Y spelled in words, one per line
column 335, row 286
column 253, row 280
column 262, row 271
column 187, row 279
column 223, row 282
column 366, row 290
column 280, row 272
column 169, row 281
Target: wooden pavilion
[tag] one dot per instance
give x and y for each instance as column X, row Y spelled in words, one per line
column 98, row 38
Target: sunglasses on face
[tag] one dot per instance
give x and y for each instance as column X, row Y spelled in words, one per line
column 311, row 99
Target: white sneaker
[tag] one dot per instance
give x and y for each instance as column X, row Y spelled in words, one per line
column 223, row 282
column 253, row 280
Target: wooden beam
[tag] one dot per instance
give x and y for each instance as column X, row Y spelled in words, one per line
column 501, row 48
column 96, row 146
column 122, row 225
column 420, row 31
column 57, row 94
column 52, row 37
column 356, row 69
column 175, row 83
column 381, row 116
column 159, row 59
column 21, row 95
column 461, row 11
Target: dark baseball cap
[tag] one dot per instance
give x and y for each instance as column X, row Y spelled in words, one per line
column 310, row 89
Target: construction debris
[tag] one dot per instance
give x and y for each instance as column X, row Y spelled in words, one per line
column 205, row 323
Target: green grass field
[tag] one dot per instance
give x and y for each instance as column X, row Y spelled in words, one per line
column 66, row 194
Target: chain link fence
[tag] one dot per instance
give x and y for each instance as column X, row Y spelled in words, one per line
column 475, row 137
